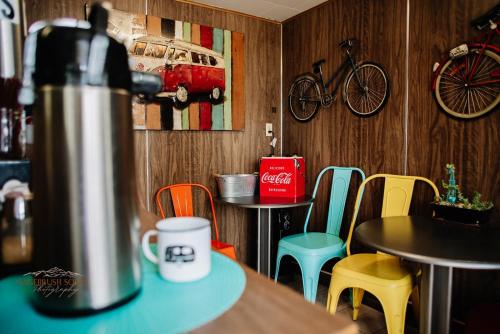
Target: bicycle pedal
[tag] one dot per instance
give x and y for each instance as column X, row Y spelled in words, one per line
column 459, row 51
column 328, row 100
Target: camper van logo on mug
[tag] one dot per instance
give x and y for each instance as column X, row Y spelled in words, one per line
column 183, row 248
column 179, row 254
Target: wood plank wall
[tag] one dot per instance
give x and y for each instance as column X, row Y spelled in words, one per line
column 335, row 136
column 377, row 144
column 435, row 138
column 169, row 157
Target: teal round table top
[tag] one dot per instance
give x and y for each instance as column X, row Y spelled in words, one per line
column 161, row 306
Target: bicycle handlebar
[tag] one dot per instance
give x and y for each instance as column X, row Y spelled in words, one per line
column 348, row 43
column 484, row 20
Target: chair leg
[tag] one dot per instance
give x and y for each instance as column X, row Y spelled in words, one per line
column 394, row 305
column 333, row 297
column 415, row 302
column 278, row 261
column 310, row 277
column 357, row 297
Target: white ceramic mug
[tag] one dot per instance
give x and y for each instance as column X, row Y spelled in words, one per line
column 183, row 248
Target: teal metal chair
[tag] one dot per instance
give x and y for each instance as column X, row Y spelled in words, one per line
column 313, row 249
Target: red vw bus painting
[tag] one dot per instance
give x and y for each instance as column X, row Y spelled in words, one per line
column 187, row 69
column 202, row 69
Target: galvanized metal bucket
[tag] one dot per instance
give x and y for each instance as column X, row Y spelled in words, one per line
column 236, row 185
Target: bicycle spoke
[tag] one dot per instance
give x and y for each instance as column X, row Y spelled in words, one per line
column 489, row 91
column 483, row 100
column 463, row 102
column 486, row 95
column 378, row 95
column 375, row 102
column 474, row 101
column 368, row 98
column 452, row 78
column 484, row 68
column 453, row 91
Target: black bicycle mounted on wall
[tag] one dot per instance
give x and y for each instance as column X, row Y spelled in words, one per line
column 365, row 91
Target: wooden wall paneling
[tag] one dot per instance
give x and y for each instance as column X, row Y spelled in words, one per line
column 37, row 10
column 141, row 166
column 51, row 9
column 194, row 156
column 436, row 139
column 336, row 136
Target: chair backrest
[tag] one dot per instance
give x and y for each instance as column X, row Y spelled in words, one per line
column 398, row 191
column 338, row 195
column 182, row 200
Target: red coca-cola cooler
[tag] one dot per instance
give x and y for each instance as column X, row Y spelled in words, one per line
column 282, row 177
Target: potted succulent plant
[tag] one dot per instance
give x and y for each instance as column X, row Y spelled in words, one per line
column 454, row 206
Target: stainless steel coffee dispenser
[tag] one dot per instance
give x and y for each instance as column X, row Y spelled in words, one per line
column 86, row 228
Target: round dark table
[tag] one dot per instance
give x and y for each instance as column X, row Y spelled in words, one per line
column 440, row 247
column 264, row 207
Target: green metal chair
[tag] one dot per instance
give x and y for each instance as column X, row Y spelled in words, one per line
column 313, row 249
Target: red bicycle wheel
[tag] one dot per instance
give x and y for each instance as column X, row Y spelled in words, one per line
column 464, row 97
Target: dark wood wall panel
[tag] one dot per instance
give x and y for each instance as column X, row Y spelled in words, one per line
column 50, row 9
column 376, row 144
column 435, row 139
column 336, row 136
column 176, row 157
column 193, row 156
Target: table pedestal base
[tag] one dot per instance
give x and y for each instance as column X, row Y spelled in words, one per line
column 264, row 235
column 435, row 299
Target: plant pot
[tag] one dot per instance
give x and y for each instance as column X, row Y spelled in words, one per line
column 461, row 215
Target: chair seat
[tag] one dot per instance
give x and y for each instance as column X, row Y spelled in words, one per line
column 380, row 269
column 312, row 243
column 224, row 248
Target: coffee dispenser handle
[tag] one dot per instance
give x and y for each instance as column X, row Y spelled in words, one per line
column 147, row 84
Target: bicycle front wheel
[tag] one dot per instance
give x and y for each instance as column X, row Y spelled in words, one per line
column 368, row 95
column 304, row 97
column 464, row 97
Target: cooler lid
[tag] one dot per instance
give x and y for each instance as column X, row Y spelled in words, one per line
column 282, row 158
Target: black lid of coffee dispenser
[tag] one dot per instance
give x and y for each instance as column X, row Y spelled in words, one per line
column 71, row 52
column 74, row 52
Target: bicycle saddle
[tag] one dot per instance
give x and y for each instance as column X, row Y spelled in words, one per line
column 318, row 63
column 484, row 20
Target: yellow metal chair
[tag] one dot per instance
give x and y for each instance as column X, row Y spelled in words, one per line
column 380, row 274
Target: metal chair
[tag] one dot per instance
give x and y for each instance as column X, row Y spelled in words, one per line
column 312, row 249
column 380, row 274
column 182, row 200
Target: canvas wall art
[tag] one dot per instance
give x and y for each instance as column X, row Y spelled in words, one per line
column 202, row 69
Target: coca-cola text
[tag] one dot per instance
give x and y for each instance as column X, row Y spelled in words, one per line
column 281, row 178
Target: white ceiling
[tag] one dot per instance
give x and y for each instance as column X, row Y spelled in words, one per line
column 276, row 10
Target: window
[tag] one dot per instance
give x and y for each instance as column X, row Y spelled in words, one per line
column 213, row 61
column 204, row 60
column 138, row 48
column 195, row 57
column 180, row 55
column 171, row 54
column 155, row 50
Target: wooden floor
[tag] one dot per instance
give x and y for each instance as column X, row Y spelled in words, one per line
column 370, row 320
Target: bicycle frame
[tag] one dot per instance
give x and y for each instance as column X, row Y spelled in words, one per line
column 339, row 74
column 482, row 46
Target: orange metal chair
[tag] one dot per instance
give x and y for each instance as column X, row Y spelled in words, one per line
column 182, row 200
